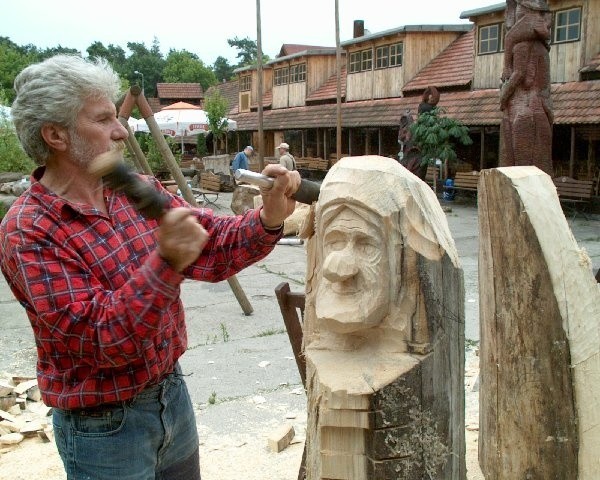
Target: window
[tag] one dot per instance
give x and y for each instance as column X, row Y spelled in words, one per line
column 298, row 73
column 281, row 76
column 489, row 39
column 354, row 62
column 245, row 83
column 382, row 57
column 366, row 60
column 396, row 51
column 567, row 24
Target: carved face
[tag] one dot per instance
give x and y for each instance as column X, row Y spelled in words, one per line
column 353, row 293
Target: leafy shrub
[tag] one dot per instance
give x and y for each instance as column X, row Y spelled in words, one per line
column 12, row 156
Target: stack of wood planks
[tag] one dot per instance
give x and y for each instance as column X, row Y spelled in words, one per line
column 210, row 181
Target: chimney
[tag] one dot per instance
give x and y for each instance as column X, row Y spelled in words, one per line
column 359, row 28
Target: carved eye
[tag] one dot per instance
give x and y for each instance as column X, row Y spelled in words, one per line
column 335, row 241
column 367, row 248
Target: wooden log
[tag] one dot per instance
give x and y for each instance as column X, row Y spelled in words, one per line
column 540, row 341
column 383, row 330
column 281, row 438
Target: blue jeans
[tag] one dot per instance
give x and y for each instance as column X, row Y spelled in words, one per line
column 151, row 437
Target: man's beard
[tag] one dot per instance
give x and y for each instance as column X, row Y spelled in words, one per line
column 83, row 154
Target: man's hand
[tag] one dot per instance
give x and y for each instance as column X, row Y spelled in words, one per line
column 180, row 238
column 277, row 204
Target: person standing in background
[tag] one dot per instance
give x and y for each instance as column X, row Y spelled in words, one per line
column 286, row 159
column 241, row 160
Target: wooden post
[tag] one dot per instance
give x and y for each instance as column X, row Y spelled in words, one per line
column 303, row 134
column 338, row 69
column 261, row 138
column 482, row 149
column 349, row 142
column 572, row 155
column 165, row 151
column 540, row 342
column 134, row 147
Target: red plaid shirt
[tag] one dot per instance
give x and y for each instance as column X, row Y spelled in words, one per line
column 104, row 306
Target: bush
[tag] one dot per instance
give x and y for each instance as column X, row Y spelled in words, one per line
column 153, row 155
column 12, row 156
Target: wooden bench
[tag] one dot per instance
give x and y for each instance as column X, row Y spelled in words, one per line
column 574, row 193
column 432, row 177
column 466, row 181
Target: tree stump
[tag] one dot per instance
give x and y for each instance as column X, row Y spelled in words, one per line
column 540, row 335
column 383, row 329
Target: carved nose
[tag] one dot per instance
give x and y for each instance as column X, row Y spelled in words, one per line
column 339, row 267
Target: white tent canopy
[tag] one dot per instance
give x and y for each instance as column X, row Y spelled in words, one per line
column 180, row 120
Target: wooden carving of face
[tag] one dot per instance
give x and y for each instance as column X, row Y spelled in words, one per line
column 353, row 293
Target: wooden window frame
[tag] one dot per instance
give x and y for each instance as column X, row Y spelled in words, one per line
column 245, row 83
column 556, row 28
column 354, row 62
column 366, row 60
column 297, row 73
column 382, row 57
column 497, row 39
column 281, row 76
column 397, row 56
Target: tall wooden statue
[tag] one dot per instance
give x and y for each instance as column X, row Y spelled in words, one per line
column 526, row 129
column 540, row 335
column 383, row 329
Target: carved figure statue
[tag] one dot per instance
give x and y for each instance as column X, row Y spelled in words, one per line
column 383, row 329
column 410, row 155
column 526, row 129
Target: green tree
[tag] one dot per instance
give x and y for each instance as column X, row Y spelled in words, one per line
column 13, row 59
column 436, row 135
column 182, row 66
column 247, row 51
column 223, row 70
column 50, row 52
column 149, row 62
column 114, row 54
column 215, row 107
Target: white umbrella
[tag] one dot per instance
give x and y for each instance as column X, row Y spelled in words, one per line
column 134, row 124
column 182, row 119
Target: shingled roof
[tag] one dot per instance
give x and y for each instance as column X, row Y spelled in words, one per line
column 452, row 68
column 229, row 90
column 293, row 48
column 574, row 103
column 328, row 91
column 179, row 90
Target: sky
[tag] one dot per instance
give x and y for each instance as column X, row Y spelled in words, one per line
column 203, row 27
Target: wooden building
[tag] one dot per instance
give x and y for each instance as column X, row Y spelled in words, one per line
column 385, row 73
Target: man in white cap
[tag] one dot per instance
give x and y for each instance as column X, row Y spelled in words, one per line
column 285, row 157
